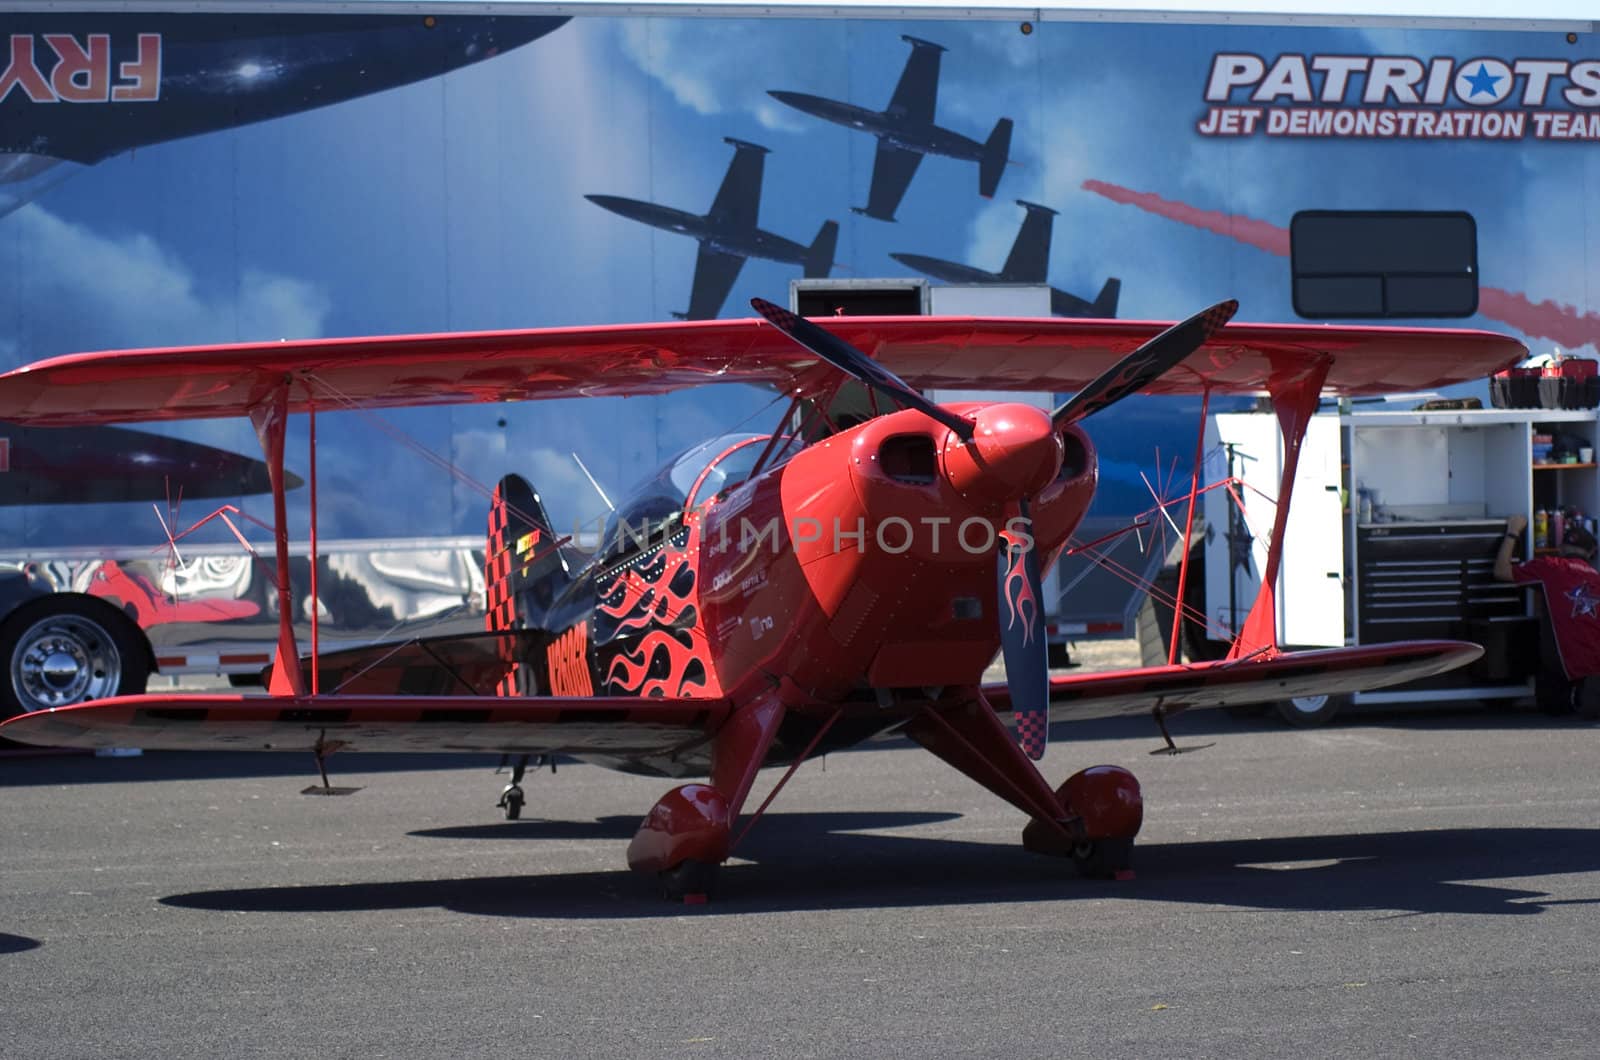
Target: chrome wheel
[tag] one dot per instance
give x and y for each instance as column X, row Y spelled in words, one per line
column 1308, row 711
column 64, row 659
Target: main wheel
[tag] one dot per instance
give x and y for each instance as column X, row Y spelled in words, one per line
column 689, row 877
column 1102, row 859
column 1310, row 711
column 63, row 650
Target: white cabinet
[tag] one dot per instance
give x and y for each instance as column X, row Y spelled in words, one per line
column 1311, row 574
column 1417, row 564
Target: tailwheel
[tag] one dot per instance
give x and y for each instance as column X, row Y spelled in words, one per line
column 511, row 801
column 512, row 798
column 1102, row 859
column 689, row 881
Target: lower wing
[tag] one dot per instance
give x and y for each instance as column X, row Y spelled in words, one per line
column 1232, row 682
column 715, row 272
column 892, row 170
column 616, row 726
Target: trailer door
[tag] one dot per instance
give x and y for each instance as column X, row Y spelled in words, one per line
column 1311, row 606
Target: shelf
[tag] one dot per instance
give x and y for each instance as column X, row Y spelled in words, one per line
column 1562, row 467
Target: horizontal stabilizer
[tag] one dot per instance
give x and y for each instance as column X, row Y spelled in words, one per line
column 1230, row 683
column 608, row 725
column 470, row 664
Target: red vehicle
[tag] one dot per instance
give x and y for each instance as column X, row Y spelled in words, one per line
column 766, row 597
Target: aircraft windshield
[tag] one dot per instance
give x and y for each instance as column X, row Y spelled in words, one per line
column 693, row 477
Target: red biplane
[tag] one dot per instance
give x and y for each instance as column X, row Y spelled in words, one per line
column 766, row 597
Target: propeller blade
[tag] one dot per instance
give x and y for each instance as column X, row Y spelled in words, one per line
column 1146, row 364
column 1022, row 642
column 853, row 362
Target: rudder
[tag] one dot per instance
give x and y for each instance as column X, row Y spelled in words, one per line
column 996, row 150
column 1105, row 303
column 819, row 256
column 523, row 568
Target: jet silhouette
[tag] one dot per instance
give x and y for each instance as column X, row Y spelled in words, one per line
column 1028, row 263
column 729, row 233
column 906, row 132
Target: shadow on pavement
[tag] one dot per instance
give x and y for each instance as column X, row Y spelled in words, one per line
column 623, row 827
column 219, row 765
column 814, row 861
column 17, row 943
column 1219, row 723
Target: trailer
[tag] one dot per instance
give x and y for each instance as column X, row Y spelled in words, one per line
column 1392, row 534
column 207, row 171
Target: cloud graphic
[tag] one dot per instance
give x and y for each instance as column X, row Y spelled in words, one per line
column 716, row 67
column 128, row 290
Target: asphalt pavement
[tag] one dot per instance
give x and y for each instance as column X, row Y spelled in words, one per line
column 1416, row 885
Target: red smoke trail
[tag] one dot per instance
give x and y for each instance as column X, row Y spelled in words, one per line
column 1541, row 320
column 1258, row 234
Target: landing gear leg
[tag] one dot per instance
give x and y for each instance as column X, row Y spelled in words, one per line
column 689, row 832
column 512, row 798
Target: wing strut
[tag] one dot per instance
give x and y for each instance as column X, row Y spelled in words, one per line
column 271, row 420
column 1294, row 399
column 316, row 654
column 1188, row 533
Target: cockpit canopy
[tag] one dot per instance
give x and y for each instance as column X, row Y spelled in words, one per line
column 655, row 508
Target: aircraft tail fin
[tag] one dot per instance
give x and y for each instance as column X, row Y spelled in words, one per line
column 996, row 150
column 1105, row 303
column 819, row 257
column 523, row 567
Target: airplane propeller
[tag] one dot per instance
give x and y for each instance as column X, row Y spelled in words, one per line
column 1023, row 647
column 853, row 362
column 1018, row 581
column 1146, row 364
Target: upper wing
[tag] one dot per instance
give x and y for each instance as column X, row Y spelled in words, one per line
column 916, row 95
column 1238, row 681
column 738, row 201
column 617, row 726
column 1029, row 260
column 951, row 352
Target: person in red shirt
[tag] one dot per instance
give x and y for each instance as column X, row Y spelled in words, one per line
column 1572, row 603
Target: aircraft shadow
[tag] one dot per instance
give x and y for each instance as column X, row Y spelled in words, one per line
column 623, row 826
column 219, row 765
column 1212, row 722
column 803, row 862
column 17, row 943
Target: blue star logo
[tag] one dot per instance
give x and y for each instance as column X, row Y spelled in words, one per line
column 1482, row 81
column 1584, row 601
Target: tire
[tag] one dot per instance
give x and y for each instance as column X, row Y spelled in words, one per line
column 1307, row 712
column 1102, row 859
column 689, row 878
column 69, row 649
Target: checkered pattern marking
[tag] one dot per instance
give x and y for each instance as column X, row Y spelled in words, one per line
column 1031, row 732
column 497, row 572
column 500, row 610
column 1213, row 319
